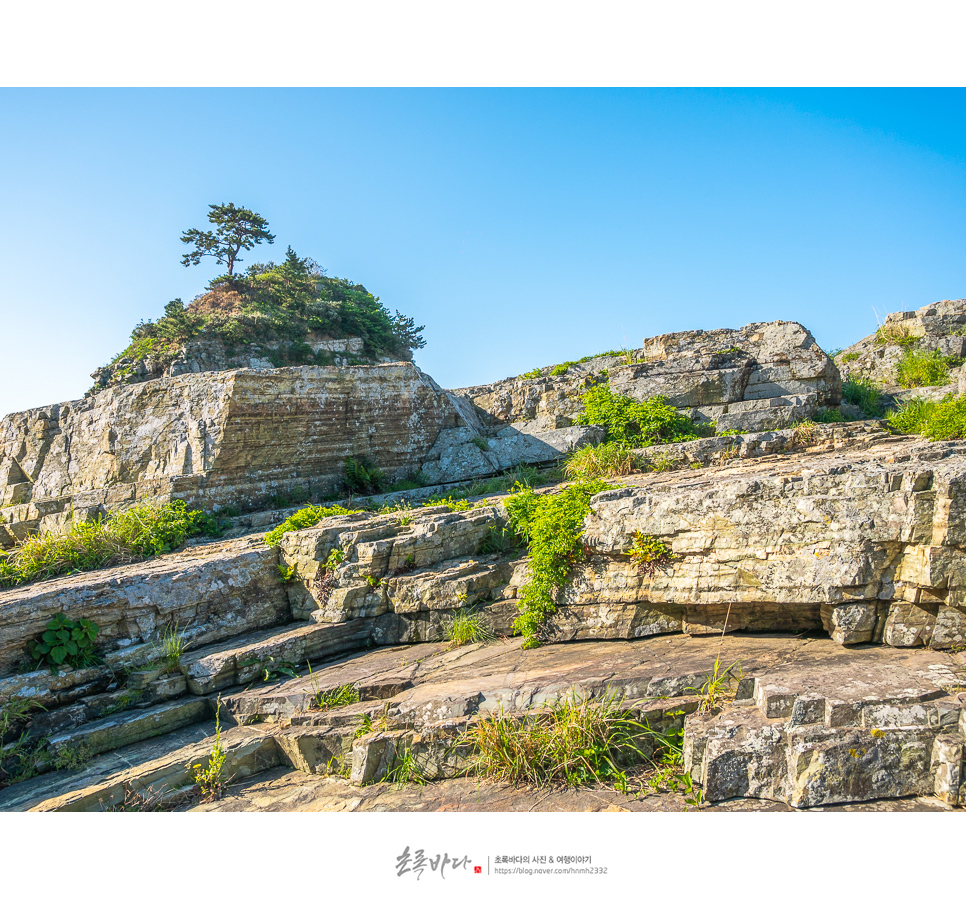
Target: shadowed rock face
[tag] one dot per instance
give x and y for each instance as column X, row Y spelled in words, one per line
column 216, row 439
column 764, row 375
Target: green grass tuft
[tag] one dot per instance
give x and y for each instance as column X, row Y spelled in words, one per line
column 937, row 421
column 303, row 518
column 923, row 369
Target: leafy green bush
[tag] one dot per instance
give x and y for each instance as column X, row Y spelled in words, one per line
column 552, row 526
column 125, row 536
column 465, row 628
column 862, row 392
column 362, row 477
column 66, row 643
column 937, row 421
column 303, row 518
column 600, row 461
column 923, row 369
column 532, row 375
column 635, row 423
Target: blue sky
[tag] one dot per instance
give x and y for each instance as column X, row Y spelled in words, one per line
column 522, row 227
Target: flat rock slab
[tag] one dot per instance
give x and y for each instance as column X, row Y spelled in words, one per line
column 503, row 674
column 281, row 790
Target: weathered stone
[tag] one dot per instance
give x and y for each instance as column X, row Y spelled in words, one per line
column 947, row 764
column 936, row 326
column 207, row 592
column 765, row 375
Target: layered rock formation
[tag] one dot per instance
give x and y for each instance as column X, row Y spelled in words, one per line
column 220, row 439
column 762, row 376
column 937, row 326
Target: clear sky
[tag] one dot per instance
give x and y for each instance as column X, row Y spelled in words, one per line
column 522, row 227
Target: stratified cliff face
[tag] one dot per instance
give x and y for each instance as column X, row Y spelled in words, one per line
column 218, row 439
column 762, row 376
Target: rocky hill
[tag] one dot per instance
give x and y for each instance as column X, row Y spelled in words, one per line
column 725, row 600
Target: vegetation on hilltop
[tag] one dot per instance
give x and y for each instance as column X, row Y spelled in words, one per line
column 278, row 306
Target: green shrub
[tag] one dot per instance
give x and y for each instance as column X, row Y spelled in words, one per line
column 600, row 461
column 923, row 369
column 552, row 526
column 850, row 356
column 362, row 477
column 563, row 368
column 125, row 536
column 635, row 423
column 303, row 518
column 532, row 375
column 937, row 421
column 862, row 392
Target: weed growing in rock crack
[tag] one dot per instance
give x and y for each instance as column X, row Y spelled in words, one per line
column 466, row 628
column 828, row 416
column 305, row 517
column 669, row 774
column 342, row 695
column 502, row 540
column 714, row 688
column 125, row 536
column 72, row 757
column 650, row 552
column 208, row 778
column 803, row 432
column 552, row 526
column 273, row 670
column 66, row 643
column 601, row 461
column 576, row 741
column 17, row 748
column 661, row 463
column 406, row 771
column 532, row 375
column 286, row 574
column 169, row 647
column 937, row 421
column 481, row 443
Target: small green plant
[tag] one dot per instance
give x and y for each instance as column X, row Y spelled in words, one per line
column 406, row 771
column 466, row 628
column 481, row 443
column 272, row 669
column 918, row 368
column 862, row 392
column 415, row 480
column 17, row 749
column 342, row 695
column 803, row 431
column 712, row 691
column 850, row 356
column 552, row 526
column 303, row 518
column 66, row 643
column 286, row 573
column 365, row 726
column 649, row 552
column 635, row 423
column 208, row 777
column 362, row 477
column 169, row 647
column 373, row 581
column 532, row 375
column 72, row 757
column 601, row 461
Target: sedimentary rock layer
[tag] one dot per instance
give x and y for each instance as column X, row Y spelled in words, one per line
column 764, row 375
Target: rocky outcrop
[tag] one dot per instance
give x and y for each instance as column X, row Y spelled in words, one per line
column 238, row 438
column 937, row 326
column 207, row 354
column 762, row 376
